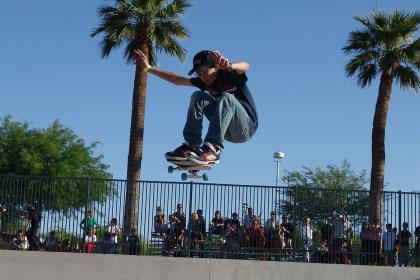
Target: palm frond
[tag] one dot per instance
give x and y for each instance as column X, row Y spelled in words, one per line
column 360, row 61
column 366, row 74
column 407, row 78
column 174, row 9
column 359, row 41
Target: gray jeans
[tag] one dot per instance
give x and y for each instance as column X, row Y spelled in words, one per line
column 228, row 120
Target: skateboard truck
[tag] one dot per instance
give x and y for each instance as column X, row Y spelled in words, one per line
column 192, row 171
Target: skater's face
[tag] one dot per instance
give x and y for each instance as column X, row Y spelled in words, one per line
column 208, row 76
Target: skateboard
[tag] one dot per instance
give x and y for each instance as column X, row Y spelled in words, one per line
column 192, row 169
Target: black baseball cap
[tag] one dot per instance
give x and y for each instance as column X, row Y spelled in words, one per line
column 202, row 61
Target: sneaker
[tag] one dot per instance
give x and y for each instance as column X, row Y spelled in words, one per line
column 208, row 154
column 179, row 153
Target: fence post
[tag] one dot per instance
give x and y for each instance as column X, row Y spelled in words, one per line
column 86, row 208
column 189, row 219
column 294, row 224
column 399, row 211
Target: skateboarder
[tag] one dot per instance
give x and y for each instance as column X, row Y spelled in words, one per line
column 223, row 98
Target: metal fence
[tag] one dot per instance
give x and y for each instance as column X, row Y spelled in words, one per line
column 64, row 202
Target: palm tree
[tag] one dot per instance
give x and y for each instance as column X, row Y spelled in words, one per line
column 151, row 26
column 384, row 46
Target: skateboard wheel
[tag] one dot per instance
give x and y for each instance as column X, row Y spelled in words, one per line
column 170, row 169
column 184, row 176
column 205, row 177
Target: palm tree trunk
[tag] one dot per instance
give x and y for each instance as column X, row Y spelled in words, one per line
column 378, row 147
column 131, row 214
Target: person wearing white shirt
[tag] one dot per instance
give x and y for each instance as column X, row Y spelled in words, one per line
column 389, row 238
column 114, row 230
column 307, row 233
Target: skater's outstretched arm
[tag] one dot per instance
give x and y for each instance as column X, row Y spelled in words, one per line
column 173, row 78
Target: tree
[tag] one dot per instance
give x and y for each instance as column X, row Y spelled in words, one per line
column 151, row 26
column 337, row 188
column 49, row 169
column 384, row 46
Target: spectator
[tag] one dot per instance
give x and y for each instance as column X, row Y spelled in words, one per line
column 174, row 236
column 271, row 226
column 322, row 254
column 34, row 220
column 180, row 217
column 288, row 231
column 404, row 238
column 389, row 238
column 133, row 243
column 307, row 233
column 159, row 221
column 343, row 233
column 107, row 245
column 235, row 221
column 396, row 252
column 67, row 247
column 114, row 231
column 197, row 239
column 375, row 237
column 217, row 223
column 88, row 222
column 255, row 237
column 365, row 243
column 202, row 220
column 90, row 241
column 20, row 242
column 417, row 248
column 51, row 242
column 249, row 217
column 327, row 232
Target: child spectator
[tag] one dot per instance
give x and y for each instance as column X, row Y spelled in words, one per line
column 51, row 242
column 133, row 243
column 20, row 242
column 114, row 231
column 90, row 241
column 159, row 221
column 88, row 222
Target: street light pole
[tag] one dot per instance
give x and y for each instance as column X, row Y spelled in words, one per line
column 278, row 156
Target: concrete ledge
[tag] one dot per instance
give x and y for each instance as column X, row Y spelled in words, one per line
column 17, row 265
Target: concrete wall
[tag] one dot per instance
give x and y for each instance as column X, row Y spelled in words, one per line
column 15, row 265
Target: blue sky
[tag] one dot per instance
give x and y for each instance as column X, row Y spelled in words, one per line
column 51, row 69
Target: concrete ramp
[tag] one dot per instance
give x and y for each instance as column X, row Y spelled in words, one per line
column 16, row 265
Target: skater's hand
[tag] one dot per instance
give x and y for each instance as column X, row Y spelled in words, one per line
column 141, row 59
column 222, row 62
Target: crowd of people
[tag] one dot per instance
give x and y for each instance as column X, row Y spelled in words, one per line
column 111, row 235
column 332, row 241
column 329, row 241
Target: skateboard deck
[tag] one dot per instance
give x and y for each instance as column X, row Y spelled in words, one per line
column 192, row 169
